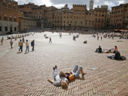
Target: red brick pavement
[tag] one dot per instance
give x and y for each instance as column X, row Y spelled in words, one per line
column 26, row 74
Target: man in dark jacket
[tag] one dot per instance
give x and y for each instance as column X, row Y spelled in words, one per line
column 117, row 55
column 33, row 44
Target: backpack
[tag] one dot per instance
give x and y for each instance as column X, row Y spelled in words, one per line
column 71, row 77
column 122, row 58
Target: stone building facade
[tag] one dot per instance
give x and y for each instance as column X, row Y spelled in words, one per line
column 32, row 13
column 57, row 23
column 74, row 18
column 119, row 17
column 100, row 18
column 50, row 16
column 27, row 24
column 89, row 20
column 80, row 18
column 8, row 17
column 14, row 17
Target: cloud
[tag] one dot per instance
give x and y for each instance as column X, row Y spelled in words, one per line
column 110, row 3
column 61, row 3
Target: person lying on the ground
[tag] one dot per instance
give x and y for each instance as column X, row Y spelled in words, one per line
column 117, row 56
column 112, row 50
column 62, row 79
column 75, row 74
column 99, row 50
column 58, row 81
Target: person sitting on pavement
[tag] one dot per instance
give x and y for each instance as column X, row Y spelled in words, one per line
column 99, row 50
column 117, row 56
column 112, row 50
column 115, row 49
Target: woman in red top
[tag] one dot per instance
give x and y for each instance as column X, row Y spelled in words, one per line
column 115, row 49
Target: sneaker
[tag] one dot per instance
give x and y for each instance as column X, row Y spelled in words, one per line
column 83, row 75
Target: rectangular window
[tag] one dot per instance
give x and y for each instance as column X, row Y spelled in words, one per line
column 9, row 6
column 6, row 28
column 5, row 18
column 10, row 19
column 14, row 19
column 14, row 28
column 0, row 28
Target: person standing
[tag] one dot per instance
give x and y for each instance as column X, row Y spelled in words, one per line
column 20, row 44
column 50, row 40
column 27, row 47
column 60, row 35
column 74, row 38
column 97, row 37
column 33, row 44
column 11, row 43
column 2, row 40
column 101, row 37
column 23, row 39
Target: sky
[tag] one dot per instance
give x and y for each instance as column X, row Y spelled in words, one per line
column 61, row 3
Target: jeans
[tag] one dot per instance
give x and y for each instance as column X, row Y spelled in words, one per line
column 55, row 74
column 20, row 48
column 76, row 71
column 111, row 57
column 32, row 48
column 27, row 49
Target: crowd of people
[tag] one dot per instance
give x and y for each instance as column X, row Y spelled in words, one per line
column 20, row 43
column 104, row 35
column 60, row 78
column 114, row 50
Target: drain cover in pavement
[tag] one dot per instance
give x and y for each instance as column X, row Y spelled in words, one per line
column 93, row 68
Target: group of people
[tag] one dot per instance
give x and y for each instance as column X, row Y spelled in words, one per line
column 17, row 36
column 104, row 35
column 98, row 37
column 20, row 44
column 63, row 79
column 114, row 50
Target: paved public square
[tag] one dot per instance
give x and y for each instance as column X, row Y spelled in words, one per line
column 26, row 74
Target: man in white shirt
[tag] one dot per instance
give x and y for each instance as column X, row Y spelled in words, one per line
column 59, row 81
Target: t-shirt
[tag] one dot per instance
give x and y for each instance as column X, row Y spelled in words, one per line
column 20, row 43
column 27, row 44
column 58, row 79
